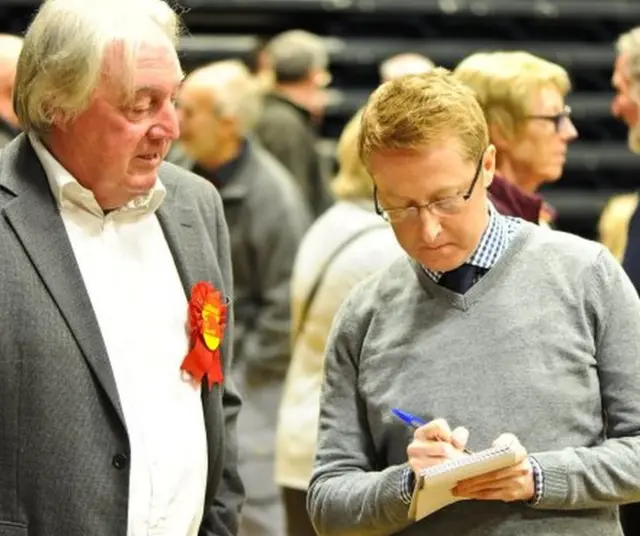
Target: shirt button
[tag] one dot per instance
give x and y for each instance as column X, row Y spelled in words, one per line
column 119, row 461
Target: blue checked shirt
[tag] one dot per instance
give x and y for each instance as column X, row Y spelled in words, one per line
column 493, row 243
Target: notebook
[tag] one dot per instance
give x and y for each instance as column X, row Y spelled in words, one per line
column 433, row 486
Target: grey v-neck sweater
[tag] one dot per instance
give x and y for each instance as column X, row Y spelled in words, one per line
column 544, row 345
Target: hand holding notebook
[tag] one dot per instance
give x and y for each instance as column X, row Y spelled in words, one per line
column 515, row 482
column 435, row 484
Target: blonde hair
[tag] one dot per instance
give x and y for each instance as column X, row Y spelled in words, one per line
column 628, row 44
column 352, row 181
column 505, row 82
column 61, row 63
column 420, row 110
column 614, row 223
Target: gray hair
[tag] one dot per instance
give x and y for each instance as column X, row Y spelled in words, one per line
column 61, row 63
column 294, row 54
column 403, row 64
column 237, row 93
column 629, row 45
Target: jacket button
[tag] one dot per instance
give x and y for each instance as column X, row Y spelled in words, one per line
column 119, row 461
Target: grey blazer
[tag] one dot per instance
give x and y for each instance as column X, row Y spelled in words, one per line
column 64, row 448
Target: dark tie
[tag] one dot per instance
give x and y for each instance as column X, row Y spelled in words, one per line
column 461, row 279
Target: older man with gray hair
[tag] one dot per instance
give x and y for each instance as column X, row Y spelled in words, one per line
column 117, row 408
column 267, row 217
column 292, row 109
column 626, row 107
column 10, row 47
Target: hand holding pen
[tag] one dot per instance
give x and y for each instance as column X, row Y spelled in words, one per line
column 434, row 442
column 416, row 422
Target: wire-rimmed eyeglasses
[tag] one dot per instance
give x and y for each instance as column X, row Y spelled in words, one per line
column 447, row 206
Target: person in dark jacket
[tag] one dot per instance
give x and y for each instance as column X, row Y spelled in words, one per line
column 293, row 108
column 626, row 107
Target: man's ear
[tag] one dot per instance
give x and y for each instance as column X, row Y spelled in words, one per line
column 229, row 128
column 488, row 165
column 59, row 121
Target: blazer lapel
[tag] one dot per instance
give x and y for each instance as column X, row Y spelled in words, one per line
column 180, row 226
column 178, row 222
column 35, row 219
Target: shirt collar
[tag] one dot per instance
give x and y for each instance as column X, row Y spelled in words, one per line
column 68, row 192
column 493, row 242
column 223, row 175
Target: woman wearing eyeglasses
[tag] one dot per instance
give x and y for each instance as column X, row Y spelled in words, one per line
column 523, row 98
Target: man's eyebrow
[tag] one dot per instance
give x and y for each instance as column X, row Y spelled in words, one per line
column 147, row 89
column 450, row 190
column 151, row 88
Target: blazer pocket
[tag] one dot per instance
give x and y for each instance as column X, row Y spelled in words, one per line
column 12, row 529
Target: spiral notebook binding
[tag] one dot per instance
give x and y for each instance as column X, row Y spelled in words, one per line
column 451, row 465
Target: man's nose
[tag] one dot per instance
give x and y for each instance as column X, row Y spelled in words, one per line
column 168, row 124
column 430, row 225
column 569, row 132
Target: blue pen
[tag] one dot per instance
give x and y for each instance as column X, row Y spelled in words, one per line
column 408, row 419
column 414, row 422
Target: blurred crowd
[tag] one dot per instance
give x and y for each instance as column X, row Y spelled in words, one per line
column 303, row 235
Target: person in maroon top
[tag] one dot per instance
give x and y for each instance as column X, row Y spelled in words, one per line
column 511, row 200
column 523, row 98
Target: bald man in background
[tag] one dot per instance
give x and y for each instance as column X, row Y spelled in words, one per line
column 10, row 47
column 267, row 216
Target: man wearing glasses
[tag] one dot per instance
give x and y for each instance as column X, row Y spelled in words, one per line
column 492, row 330
column 522, row 97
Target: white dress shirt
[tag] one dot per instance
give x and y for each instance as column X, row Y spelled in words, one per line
column 141, row 308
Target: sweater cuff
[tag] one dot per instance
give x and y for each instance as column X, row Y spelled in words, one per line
column 406, row 485
column 538, row 481
column 555, row 482
column 397, row 509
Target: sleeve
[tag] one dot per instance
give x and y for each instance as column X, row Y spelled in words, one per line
column 222, row 509
column 605, row 474
column 277, row 236
column 347, row 495
column 296, row 149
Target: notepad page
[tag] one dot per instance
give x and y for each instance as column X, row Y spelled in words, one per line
column 467, row 466
column 434, row 485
